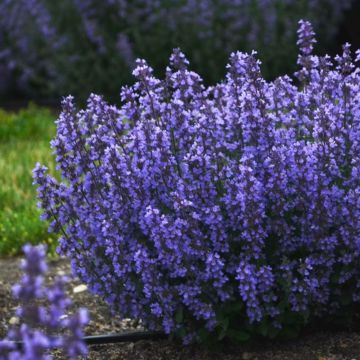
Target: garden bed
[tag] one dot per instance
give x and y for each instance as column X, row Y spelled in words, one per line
column 318, row 346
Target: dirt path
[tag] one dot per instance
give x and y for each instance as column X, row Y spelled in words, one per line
column 320, row 346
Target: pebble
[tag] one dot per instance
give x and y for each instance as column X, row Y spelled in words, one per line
column 80, row 288
column 14, row 321
column 248, row 356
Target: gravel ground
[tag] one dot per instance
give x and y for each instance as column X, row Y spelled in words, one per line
column 317, row 346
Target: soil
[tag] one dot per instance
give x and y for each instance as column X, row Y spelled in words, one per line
column 329, row 345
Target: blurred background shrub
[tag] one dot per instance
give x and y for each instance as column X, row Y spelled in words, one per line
column 52, row 48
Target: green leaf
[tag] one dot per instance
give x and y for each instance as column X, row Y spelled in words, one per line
column 264, row 328
column 224, row 327
column 239, row 336
column 179, row 316
column 203, row 335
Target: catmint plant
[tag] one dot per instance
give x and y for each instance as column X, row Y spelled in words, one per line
column 228, row 210
column 40, row 326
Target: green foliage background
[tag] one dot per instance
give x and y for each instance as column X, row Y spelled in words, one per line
column 24, row 140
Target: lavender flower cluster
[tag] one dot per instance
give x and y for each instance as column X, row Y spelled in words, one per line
column 96, row 42
column 189, row 203
column 40, row 326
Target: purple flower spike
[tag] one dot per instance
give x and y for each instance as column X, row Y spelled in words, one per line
column 41, row 328
column 306, row 39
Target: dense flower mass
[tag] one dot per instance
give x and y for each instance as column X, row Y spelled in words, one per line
column 40, row 326
column 234, row 207
column 89, row 45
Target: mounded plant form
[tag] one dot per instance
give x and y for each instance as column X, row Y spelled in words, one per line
column 224, row 211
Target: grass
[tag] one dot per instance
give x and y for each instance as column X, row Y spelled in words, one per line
column 24, row 140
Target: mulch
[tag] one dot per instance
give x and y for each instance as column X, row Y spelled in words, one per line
column 325, row 345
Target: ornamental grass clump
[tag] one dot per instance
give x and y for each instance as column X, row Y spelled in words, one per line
column 40, row 325
column 221, row 211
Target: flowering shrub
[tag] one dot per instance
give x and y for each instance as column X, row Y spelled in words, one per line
column 80, row 46
column 39, row 325
column 232, row 208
